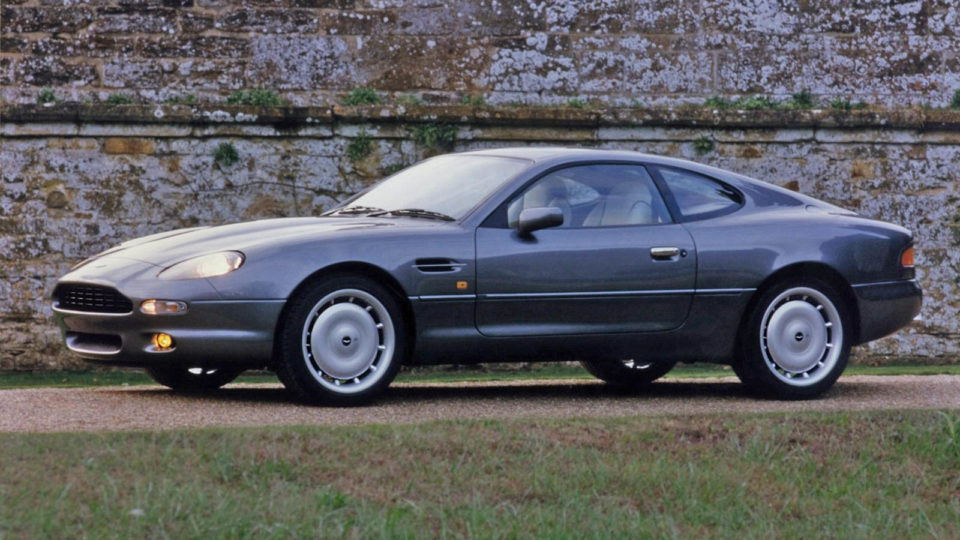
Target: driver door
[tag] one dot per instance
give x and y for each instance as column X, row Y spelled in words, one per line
column 618, row 264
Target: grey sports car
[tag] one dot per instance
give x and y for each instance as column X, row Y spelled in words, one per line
column 626, row 262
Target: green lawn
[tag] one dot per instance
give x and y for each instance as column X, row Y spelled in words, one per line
column 490, row 372
column 837, row 475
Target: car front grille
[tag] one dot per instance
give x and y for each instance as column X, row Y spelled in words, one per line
column 92, row 298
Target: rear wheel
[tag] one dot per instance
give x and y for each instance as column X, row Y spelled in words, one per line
column 341, row 341
column 193, row 379
column 627, row 374
column 795, row 343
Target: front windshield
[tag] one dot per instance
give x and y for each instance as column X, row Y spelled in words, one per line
column 451, row 185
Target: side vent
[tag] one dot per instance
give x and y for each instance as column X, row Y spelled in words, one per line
column 437, row 266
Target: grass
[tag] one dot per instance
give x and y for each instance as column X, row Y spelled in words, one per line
column 484, row 373
column 474, row 100
column 186, row 99
column 120, row 99
column 46, row 95
column 799, row 100
column 840, row 475
column 360, row 146
column 393, row 168
column 435, row 136
column 226, row 154
column 845, row 104
column 362, row 96
column 258, row 97
column 703, row 145
column 410, row 99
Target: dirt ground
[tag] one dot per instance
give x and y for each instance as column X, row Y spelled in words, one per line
column 155, row 408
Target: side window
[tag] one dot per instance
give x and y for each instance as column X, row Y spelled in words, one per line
column 697, row 196
column 595, row 196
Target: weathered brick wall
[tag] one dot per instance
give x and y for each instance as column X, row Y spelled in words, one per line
column 78, row 179
column 656, row 52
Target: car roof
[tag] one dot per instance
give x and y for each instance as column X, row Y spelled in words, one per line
column 560, row 154
column 549, row 156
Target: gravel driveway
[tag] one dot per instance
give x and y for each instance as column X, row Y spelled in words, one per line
column 152, row 407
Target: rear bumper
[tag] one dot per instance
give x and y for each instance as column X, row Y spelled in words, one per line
column 212, row 332
column 886, row 307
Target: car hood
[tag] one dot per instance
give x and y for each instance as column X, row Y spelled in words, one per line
column 171, row 247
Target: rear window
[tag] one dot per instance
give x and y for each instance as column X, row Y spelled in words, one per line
column 697, row 196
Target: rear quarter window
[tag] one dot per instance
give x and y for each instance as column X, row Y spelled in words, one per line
column 697, row 196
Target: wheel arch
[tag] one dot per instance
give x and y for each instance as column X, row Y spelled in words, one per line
column 802, row 270
column 355, row 268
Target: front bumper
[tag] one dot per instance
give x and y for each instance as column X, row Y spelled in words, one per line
column 210, row 333
column 886, row 307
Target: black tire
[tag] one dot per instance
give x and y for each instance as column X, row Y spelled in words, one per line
column 627, row 374
column 795, row 342
column 370, row 341
column 187, row 379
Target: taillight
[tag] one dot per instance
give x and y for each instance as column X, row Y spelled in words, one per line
column 906, row 258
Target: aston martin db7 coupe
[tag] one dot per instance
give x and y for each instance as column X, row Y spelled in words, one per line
column 626, row 262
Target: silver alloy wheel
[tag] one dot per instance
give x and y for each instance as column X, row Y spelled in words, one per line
column 348, row 341
column 801, row 336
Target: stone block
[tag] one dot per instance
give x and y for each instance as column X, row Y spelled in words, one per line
column 268, row 21
column 45, row 19
column 397, row 63
column 135, row 19
column 193, row 46
column 128, row 145
column 48, row 71
column 301, row 62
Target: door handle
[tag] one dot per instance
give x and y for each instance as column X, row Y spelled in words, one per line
column 664, row 253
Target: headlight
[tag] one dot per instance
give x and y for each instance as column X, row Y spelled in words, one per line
column 204, row 266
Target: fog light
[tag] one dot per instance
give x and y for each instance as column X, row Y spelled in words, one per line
column 163, row 342
column 163, row 307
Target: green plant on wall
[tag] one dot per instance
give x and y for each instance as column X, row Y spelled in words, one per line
column 258, row 97
column 474, row 100
column 226, row 154
column 801, row 100
column 717, row 102
column 186, row 99
column 410, row 99
column 955, row 102
column 119, row 99
column 435, row 136
column 359, row 147
column 844, row 104
column 393, row 168
column 46, row 96
column 362, row 96
column 703, row 145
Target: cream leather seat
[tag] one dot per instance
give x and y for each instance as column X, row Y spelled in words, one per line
column 628, row 203
column 546, row 193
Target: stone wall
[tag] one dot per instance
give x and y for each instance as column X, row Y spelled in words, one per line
column 77, row 179
column 655, row 52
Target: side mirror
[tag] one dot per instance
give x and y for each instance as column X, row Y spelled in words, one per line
column 534, row 219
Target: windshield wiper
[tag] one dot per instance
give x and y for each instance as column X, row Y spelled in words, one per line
column 414, row 212
column 352, row 210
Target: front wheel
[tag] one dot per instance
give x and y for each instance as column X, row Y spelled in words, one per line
column 341, row 341
column 627, row 374
column 796, row 341
column 193, row 379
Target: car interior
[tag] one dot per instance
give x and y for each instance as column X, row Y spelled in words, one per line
column 595, row 196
